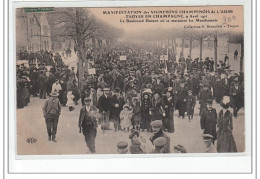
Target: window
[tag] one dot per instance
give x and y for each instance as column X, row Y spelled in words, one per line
column 31, row 20
column 31, row 33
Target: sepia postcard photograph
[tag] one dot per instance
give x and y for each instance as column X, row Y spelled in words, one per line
column 130, row 80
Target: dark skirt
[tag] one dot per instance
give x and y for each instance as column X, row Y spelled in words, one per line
column 145, row 121
column 226, row 142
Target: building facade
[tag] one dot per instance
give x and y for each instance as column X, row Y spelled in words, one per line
column 32, row 32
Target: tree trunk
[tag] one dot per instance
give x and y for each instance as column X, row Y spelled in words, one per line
column 201, row 43
column 182, row 48
column 242, row 56
column 175, row 44
column 227, row 46
column 81, row 53
column 215, row 50
column 190, row 47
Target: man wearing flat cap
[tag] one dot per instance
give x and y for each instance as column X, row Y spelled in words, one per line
column 208, row 120
column 51, row 113
column 209, row 147
column 157, row 129
column 122, row 147
column 159, row 144
column 88, row 124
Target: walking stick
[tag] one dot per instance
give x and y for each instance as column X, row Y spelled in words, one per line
column 103, row 122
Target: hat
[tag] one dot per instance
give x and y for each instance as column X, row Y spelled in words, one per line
column 133, row 133
column 156, row 123
column 122, row 145
column 54, row 93
column 209, row 101
column 169, row 89
column 207, row 137
column 126, row 106
column 160, row 141
column 106, row 89
column 226, row 99
column 147, row 91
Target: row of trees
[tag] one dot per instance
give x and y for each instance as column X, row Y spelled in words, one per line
column 170, row 35
column 81, row 26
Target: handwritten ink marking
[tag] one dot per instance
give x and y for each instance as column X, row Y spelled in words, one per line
column 31, row 140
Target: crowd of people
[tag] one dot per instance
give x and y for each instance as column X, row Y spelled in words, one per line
column 40, row 79
column 41, row 57
column 136, row 91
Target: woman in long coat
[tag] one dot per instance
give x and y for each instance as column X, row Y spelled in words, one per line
column 137, row 114
column 157, row 109
column 169, row 105
column 145, row 106
column 226, row 142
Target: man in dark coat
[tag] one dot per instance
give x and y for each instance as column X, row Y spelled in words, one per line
column 119, row 81
column 217, row 90
column 117, row 102
column 42, row 82
column 225, row 85
column 158, row 86
column 104, row 106
column 181, row 104
column 146, row 79
column 88, row 124
column 157, row 129
column 51, row 80
column 208, row 120
column 204, row 95
column 236, row 93
column 34, row 82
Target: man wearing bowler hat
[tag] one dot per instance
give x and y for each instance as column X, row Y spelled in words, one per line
column 104, row 106
column 157, row 129
column 88, row 124
column 208, row 120
column 204, row 95
column 116, row 106
column 51, row 113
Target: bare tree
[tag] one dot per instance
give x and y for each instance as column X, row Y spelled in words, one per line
column 79, row 25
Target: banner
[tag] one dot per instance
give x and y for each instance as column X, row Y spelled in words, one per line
column 92, row 71
column 123, row 58
column 164, row 57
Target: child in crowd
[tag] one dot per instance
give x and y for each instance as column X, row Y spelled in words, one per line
column 135, row 147
column 191, row 102
column 126, row 116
